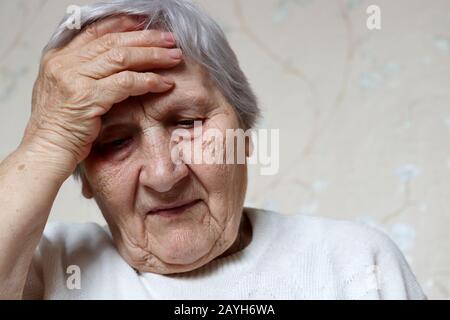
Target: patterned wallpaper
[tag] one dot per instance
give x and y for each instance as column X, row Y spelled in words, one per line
column 364, row 116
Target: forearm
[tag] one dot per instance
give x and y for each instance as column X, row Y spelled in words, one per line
column 29, row 184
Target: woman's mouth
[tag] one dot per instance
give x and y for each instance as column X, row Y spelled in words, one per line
column 173, row 210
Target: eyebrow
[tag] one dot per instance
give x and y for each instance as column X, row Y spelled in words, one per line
column 164, row 104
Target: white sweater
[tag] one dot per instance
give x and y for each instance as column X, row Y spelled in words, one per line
column 289, row 257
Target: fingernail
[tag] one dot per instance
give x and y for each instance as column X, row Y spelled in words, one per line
column 168, row 37
column 175, row 53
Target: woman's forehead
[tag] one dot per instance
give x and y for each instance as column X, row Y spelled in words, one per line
column 192, row 91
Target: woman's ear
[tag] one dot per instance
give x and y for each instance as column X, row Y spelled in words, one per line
column 86, row 189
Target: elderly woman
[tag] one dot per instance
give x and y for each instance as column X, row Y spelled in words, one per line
column 107, row 101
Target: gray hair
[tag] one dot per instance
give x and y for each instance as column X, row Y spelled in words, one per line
column 196, row 33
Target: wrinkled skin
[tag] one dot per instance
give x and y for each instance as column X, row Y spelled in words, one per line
column 112, row 71
column 110, row 100
column 130, row 178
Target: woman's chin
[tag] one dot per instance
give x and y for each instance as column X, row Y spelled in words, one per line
column 178, row 264
column 185, row 254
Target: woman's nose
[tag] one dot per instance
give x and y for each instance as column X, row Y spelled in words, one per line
column 159, row 171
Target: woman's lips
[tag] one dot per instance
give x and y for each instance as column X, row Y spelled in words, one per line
column 173, row 210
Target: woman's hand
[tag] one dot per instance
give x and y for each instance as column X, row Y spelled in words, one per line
column 82, row 81
column 76, row 86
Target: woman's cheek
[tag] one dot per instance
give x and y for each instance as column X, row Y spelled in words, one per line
column 110, row 180
column 215, row 151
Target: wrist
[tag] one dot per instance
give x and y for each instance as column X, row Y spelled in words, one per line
column 47, row 159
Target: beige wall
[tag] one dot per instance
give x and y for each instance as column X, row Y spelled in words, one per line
column 364, row 115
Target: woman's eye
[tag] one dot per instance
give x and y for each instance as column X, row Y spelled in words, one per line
column 117, row 144
column 190, row 123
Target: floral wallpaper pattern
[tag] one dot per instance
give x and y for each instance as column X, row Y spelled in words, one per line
column 364, row 116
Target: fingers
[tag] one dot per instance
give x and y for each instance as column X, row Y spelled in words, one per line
column 133, row 59
column 122, row 85
column 143, row 38
column 98, row 29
